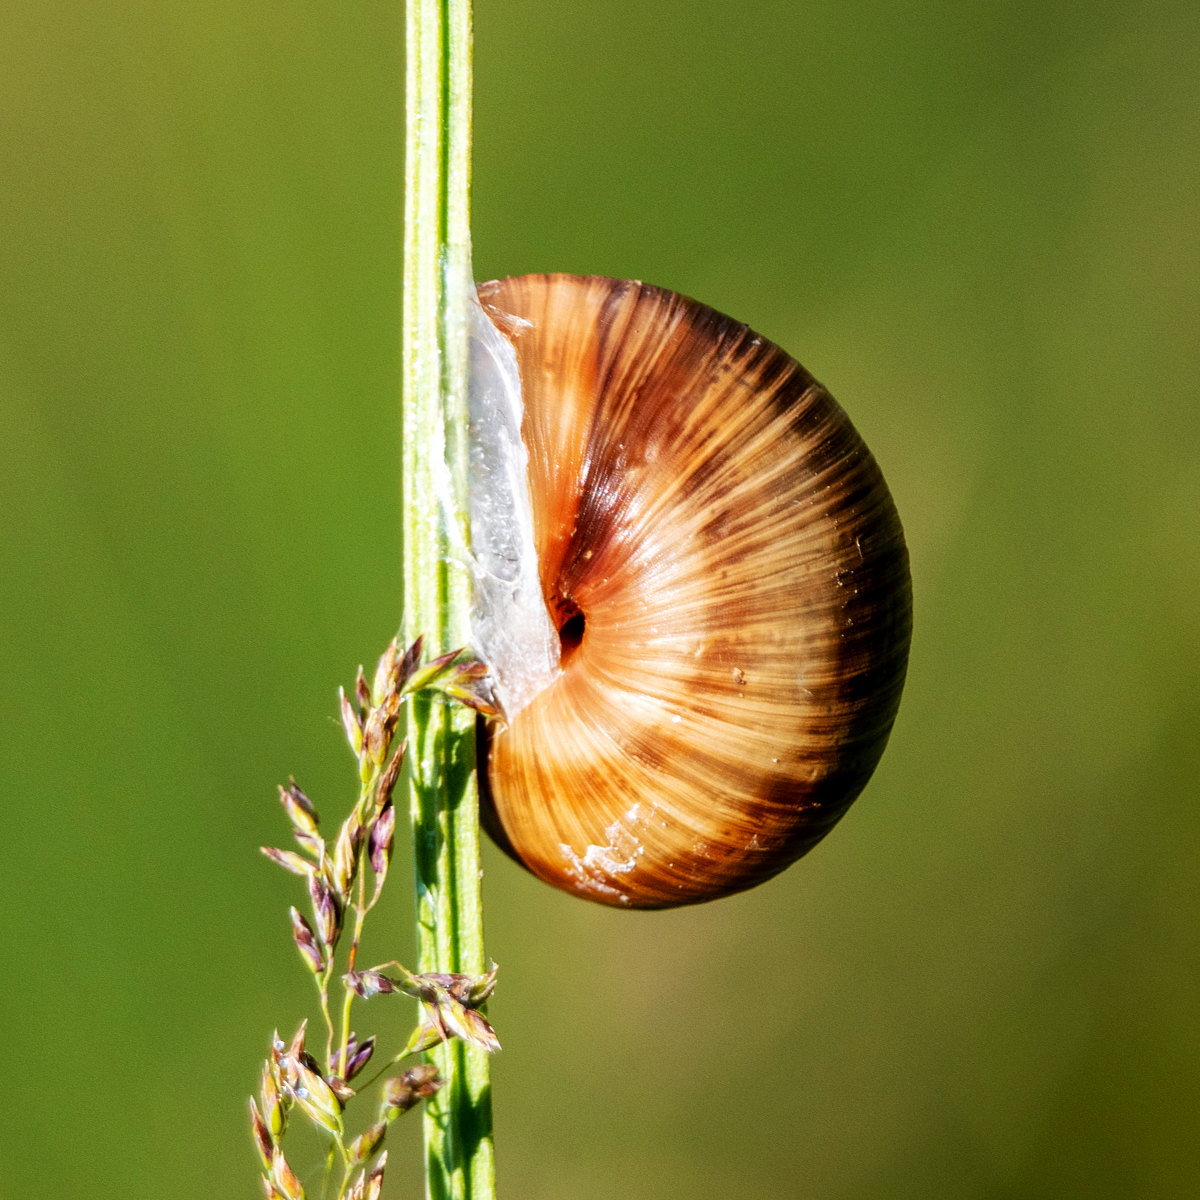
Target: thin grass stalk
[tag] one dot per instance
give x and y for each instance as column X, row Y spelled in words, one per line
column 441, row 777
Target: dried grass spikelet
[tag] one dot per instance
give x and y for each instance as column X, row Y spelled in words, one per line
column 729, row 578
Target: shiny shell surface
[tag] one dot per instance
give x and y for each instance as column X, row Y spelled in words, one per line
column 728, row 574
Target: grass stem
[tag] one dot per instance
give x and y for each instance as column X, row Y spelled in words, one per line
column 440, row 773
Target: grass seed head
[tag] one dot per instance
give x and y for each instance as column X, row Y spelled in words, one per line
column 354, row 733
column 375, row 1179
column 284, row 1177
column 366, row 1143
column 263, row 1140
column 299, row 808
column 306, row 942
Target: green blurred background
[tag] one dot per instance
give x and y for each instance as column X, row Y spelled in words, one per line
column 976, row 223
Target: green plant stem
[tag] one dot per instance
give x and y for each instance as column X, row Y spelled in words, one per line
column 323, row 989
column 360, row 915
column 440, row 772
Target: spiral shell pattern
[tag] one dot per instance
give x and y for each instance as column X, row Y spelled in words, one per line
column 728, row 575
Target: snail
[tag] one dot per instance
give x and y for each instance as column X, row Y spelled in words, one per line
column 728, row 578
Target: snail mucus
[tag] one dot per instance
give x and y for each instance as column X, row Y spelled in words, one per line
column 692, row 587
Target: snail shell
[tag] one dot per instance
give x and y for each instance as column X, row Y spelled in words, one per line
column 729, row 579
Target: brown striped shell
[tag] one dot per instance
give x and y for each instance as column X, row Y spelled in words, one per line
column 729, row 578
